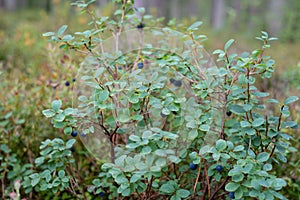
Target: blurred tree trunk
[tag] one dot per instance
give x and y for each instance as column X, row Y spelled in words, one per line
column 2, row 5
column 253, row 12
column 101, row 2
column 11, row 5
column 175, row 9
column 276, row 14
column 48, row 6
column 217, row 13
column 236, row 5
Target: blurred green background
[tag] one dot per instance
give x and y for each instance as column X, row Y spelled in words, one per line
column 33, row 72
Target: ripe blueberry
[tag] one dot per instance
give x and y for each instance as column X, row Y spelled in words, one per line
column 101, row 194
column 67, row 83
column 74, row 133
column 163, row 115
column 140, row 65
column 74, row 79
column 228, row 113
column 140, row 26
column 193, row 166
column 83, row 135
column 72, row 149
column 219, row 168
column 176, row 83
column 231, row 195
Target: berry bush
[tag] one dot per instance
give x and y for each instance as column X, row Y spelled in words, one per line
column 163, row 120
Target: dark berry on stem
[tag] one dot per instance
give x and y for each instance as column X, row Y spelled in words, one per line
column 74, row 133
column 176, row 83
column 140, row 26
column 67, row 83
column 193, row 166
column 140, row 65
column 101, row 194
column 83, row 135
column 231, row 195
column 72, row 149
column 74, row 79
column 219, row 168
column 228, row 113
column 163, row 115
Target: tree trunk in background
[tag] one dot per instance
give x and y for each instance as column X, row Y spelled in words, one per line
column 2, row 6
column 217, row 13
column 191, row 8
column 253, row 12
column 175, row 9
column 274, row 20
column 11, row 5
column 48, row 6
column 236, row 5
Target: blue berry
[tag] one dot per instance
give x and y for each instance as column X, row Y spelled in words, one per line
column 74, row 133
column 193, row 166
column 67, row 83
column 231, row 195
column 83, row 135
column 74, row 79
column 101, row 194
column 219, row 168
column 140, row 26
column 72, row 149
column 163, row 115
column 140, row 65
column 228, row 113
column 176, row 83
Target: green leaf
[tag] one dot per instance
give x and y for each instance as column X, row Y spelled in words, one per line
column 5, row 148
column 70, row 143
column 103, row 95
column 238, row 194
column 167, row 188
column 237, row 177
column 183, row 193
column 237, row 109
column 239, row 148
column 267, row 167
column 126, row 192
column 204, row 127
column 59, row 117
column 61, row 30
column 61, row 173
column 135, row 178
column 221, row 145
column 56, row 105
column 195, row 26
column 193, row 134
column 231, row 187
column 291, row 99
column 228, row 44
column 262, row 157
column 258, row 122
column 48, row 34
column 68, row 130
